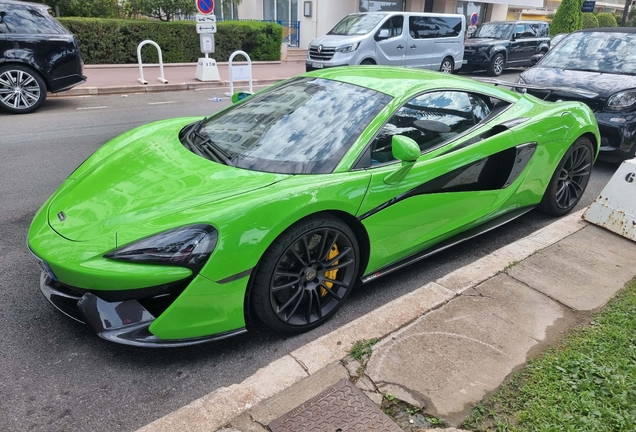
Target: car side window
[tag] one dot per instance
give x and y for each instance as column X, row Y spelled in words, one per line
column 394, row 25
column 422, row 27
column 29, row 20
column 519, row 30
column 431, row 120
column 448, row 27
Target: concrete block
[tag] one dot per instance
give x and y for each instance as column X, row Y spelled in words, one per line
column 245, row 423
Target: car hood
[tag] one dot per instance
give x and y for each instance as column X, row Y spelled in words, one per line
column 604, row 84
column 469, row 43
column 334, row 41
column 141, row 179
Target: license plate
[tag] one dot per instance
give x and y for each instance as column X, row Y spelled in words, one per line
column 46, row 268
column 317, row 65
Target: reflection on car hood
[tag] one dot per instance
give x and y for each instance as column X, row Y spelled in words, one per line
column 150, row 177
column 482, row 41
column 604, row 84
column 334, row 41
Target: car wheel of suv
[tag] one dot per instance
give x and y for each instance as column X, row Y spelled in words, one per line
column 448, row 66
column 497, row 65
column 21, row 89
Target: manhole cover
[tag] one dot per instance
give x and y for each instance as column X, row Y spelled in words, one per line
column 341, row 408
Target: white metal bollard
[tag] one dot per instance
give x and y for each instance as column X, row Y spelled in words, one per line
column 141, row 79
column 240, row 73
column 615, row 207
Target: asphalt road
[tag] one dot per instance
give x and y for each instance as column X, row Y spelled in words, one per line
column 56, row 375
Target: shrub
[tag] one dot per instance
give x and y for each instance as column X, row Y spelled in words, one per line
column 606, row 20
column 568, row 17
column 115, row 41
column 589, row 20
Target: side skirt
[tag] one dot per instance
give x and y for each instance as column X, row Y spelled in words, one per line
column 459, row 238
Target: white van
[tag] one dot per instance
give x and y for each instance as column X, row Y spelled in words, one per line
column 421, row 40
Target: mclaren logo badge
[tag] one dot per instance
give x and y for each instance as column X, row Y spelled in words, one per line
column 61, row 216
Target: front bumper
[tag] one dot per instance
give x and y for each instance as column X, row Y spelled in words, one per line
column 125, row 322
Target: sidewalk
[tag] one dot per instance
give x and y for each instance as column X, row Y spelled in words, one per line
column 443, row 346
column 114, row 79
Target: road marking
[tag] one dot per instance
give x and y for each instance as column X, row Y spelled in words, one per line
column 161, row 103
column 89, row 108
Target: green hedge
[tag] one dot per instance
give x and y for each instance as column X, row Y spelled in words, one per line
column 589, row 20
column 568, row 17
column 114, row 41
column 606, row 20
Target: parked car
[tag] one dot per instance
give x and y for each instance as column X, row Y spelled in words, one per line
column 421, row 40
column 272, row 210
column 602, row 61
column 37, row 54
column 498, row 44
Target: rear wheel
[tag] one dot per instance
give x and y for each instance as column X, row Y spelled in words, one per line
column 306, row 275
column 447, row 66
column 367, row 62
column 21, row 89
column 497, row 65
column 570, row 179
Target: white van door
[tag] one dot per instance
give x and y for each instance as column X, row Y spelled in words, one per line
column 391, row 42
column 420, row 52
column 450, row 41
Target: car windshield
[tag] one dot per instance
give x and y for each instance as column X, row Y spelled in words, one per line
column 304, row 126
column 359, row 24
column 493, row 31
column 605, row 52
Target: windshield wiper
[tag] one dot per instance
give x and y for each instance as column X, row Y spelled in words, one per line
column 210, row 148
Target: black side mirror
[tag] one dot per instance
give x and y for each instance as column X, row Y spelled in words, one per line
column 2, row 15
column 535, row 59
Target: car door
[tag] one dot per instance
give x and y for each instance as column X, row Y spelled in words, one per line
column 420, row 51
column 3, row 34
column 460, row 174
column 390, row 50
column 519, row 45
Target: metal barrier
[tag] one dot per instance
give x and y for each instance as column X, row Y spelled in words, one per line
column 141, row 79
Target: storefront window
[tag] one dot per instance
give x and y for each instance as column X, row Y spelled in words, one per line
column 226, row 10
column 375, row 6
column 280, row 10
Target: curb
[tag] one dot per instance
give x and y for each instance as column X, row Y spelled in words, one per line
column 150, row 88
column 194, row 64
column 216, row 409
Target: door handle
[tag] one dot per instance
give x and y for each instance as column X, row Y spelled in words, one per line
column 400, row 47
column 413, row 46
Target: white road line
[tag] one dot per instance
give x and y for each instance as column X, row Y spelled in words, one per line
column 161, row 103
column 90, row 108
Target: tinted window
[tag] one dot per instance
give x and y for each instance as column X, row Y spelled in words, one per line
column 422, row 27
column 448, row 27
column 303, row 126
column 394, row 25
column 30, row 20
column 600, row 52
column 540, row 30
column 494, row 31
column 430, row 119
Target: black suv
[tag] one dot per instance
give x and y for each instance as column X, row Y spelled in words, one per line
column 36, row 54
column 495, row 45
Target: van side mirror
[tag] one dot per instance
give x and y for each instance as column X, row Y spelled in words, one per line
column 383, row 34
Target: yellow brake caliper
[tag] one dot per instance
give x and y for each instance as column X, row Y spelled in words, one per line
column 330, row 274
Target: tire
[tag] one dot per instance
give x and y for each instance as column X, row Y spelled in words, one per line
column 497, row 65
column 22, row 90
column 367, row 62
column 447, row 66
column 570, row 179
column 292, row 289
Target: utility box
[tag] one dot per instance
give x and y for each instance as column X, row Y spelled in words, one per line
column 615, row 207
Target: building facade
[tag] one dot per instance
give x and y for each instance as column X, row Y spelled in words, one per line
column 317, row 17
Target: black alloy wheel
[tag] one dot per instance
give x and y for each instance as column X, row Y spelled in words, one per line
column 570, row 179
column 497, row 65
column 21, row 89
column 306, row 275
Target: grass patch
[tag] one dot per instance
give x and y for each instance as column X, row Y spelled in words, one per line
column 363, row 348
column 586, row 384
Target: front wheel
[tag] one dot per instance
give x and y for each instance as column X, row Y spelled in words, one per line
column 447, row 66
column 21, row 89
column 497, row 65
column 306, row 275
column 569, row 179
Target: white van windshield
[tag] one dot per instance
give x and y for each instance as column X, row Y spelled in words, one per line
column 355, row 25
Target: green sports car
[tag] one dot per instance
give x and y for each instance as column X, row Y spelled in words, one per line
column 272, row 210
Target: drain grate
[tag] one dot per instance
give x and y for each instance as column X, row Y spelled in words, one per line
column 341, row 408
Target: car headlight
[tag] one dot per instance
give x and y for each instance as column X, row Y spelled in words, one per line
column 482, row 49
column 188, row 246
column 622, row 100
column 348, row 48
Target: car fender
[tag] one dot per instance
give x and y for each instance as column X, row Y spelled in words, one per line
column 497, row 49
column 26, row 59
column 543, row 47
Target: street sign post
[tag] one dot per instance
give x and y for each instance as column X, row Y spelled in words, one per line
column 206, row 28
column 207, row 43
column 206, row 7
column 207, row 69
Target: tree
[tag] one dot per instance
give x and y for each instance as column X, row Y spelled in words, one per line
column 85, row 8
column 606, row 20
column 164, row 10
column 589, row 20
column 568, row 17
